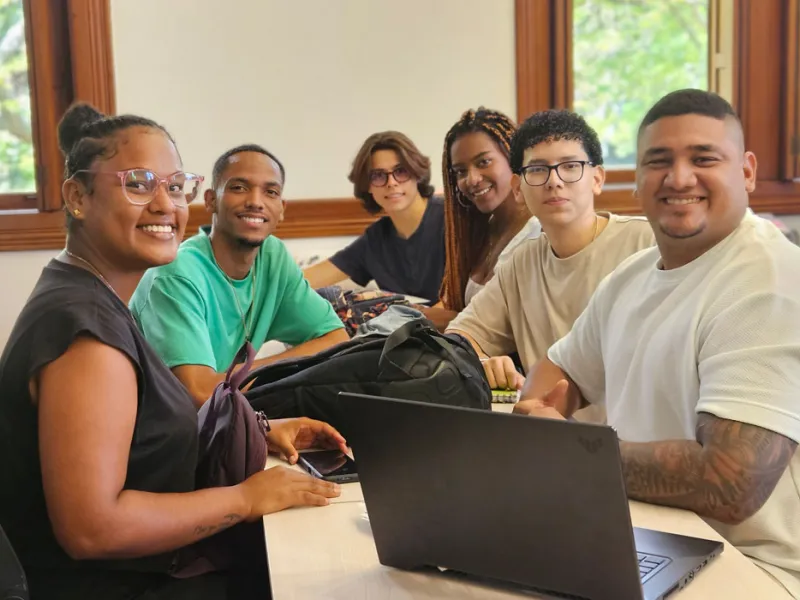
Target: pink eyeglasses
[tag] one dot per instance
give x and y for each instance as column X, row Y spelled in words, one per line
column 140, row 185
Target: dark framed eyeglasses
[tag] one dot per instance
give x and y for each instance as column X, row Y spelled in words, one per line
column 380, row 178
column 140, row 185
column 569, row 171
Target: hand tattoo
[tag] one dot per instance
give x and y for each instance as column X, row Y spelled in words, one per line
column 727, row 474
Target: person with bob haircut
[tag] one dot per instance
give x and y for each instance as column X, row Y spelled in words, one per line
column 403, row 251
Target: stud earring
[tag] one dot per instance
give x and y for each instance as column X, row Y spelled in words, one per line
column 76, row 212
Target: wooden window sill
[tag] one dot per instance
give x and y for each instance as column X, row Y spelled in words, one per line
column 33, row 230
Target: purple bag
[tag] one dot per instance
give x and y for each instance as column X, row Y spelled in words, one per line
column 233, row 442
column 233, row 446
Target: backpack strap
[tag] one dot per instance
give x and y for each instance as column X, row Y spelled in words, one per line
column 294, row 365
column 420, row 329
column 235, row 378
column 207, row 415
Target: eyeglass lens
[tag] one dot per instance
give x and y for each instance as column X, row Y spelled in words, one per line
column 381, row 178
column 140, row 187
column 569, row 172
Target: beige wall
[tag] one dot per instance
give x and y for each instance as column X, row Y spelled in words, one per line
column 309, row 79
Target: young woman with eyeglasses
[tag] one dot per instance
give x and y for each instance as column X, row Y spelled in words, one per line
column 98, row 439
column 402, row 252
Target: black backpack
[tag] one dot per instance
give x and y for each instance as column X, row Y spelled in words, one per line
column 415, row 362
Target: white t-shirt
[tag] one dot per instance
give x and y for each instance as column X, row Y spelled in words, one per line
column 720, row 335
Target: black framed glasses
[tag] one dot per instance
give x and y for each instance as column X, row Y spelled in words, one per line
column 569, row 171
column 380, row 178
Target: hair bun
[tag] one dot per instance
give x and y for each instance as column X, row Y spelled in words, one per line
column 72, row 127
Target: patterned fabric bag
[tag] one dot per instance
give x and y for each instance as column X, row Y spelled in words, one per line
column 355, row 308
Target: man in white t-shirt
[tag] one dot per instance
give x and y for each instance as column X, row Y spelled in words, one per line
column 537, row 293
column 694, row 347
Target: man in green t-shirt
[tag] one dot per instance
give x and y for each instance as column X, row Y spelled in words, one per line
column 235, row 283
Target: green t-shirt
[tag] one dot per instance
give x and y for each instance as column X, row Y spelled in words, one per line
column 188, row 312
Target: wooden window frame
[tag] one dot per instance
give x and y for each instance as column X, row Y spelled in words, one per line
column 80, row 30
column 69, row 59
column 792, row 93
column 765, row 91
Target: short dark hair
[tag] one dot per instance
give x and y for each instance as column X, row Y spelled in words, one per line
column 551, row 126
column 410, row 157
column 222, row 162
column 85, row 134
column 689, row 102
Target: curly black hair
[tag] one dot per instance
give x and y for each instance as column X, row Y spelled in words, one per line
column 551, row 126
column 689, row 102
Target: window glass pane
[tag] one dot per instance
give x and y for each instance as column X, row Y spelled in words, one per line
column 16, row 143
column 626, row 55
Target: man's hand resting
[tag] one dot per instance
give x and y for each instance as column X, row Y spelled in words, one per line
column 502, row 374
column 545, row 407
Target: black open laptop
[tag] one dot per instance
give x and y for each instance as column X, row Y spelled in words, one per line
column 533, row 502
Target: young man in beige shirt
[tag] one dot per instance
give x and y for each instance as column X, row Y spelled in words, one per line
column 539, row 292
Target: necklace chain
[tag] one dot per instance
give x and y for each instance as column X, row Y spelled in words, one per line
column 247, row 323
column 96, row 272
column 92, row 269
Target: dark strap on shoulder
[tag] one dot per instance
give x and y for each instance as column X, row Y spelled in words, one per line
column 235, row 378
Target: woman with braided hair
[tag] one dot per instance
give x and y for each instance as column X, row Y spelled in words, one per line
column 484, row 221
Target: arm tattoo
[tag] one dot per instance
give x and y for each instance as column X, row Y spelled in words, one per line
column 227, row 521
column 727, row 474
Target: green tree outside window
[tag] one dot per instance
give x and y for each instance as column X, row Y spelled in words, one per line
column 17, row 167
column 629, row 53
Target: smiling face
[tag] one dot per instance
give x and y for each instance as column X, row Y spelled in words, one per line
column 693, row 178
column 395, row 196
column 482, row 171
column 248, row 204
column 558, row 203
column 129, row 236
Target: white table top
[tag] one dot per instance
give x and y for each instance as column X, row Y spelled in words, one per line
column 329, row 553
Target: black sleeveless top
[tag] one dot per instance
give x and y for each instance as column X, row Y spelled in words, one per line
column 66, row 303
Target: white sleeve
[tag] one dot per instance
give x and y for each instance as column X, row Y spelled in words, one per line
column 749, row 361
column 580, row 353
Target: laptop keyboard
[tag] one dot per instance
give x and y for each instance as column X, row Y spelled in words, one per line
column 649, row 564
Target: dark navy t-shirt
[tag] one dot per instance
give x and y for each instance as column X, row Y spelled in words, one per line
column 413, row 266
